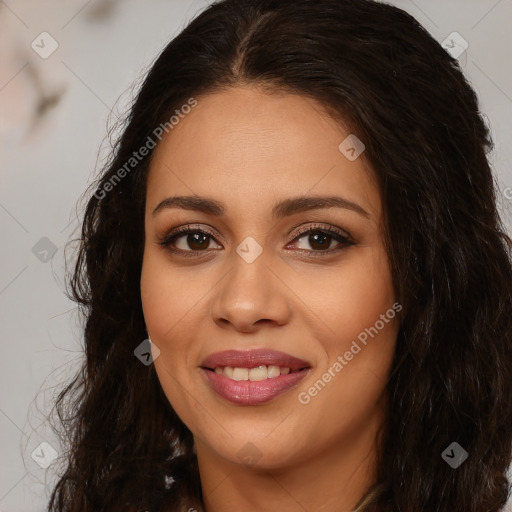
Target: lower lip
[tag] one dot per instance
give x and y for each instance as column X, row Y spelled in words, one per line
column 248, row 392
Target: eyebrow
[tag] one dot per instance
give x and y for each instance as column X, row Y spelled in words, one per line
column 282, row 209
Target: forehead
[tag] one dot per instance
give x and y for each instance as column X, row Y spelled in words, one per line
column 248, row 145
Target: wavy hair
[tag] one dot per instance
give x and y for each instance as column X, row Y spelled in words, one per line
column 375, row 69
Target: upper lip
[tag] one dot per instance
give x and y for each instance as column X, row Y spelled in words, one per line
column 253, row 358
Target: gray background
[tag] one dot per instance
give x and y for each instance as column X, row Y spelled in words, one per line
column 53, row 115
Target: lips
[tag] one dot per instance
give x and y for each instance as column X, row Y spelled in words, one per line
column 229, row 374
column 252, row 359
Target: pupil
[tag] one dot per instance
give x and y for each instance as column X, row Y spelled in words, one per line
column 314, row 239
column 200, row 240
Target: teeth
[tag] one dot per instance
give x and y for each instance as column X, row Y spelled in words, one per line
column 274, row 371
column 240, row 374
column 258, row 373
column 254, row 374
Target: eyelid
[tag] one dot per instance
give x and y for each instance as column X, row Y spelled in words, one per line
column 321, row 227
column 186, row 228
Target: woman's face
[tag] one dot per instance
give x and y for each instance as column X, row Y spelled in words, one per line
column 255, row 172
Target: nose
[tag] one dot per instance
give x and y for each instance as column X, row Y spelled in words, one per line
column 250, row 296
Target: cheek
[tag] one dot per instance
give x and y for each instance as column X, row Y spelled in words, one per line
column 346, row 299
column 366, row 293
column 355, row 307
column 369, row 322
column 168, row 297
column 168, row 301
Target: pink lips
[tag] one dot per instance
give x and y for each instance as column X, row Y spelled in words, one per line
column 248, row 392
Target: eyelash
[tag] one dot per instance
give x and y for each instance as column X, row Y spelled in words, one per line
column 339, row 236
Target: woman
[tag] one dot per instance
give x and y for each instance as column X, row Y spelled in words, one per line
column 297, row 287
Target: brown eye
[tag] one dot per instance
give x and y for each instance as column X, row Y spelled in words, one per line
column 195, row 241
column 189, row 241
column 319, row 241
column 322, row 240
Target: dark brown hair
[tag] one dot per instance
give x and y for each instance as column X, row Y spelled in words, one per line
column 376, row 69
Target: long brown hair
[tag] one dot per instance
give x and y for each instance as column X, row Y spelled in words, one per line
column 376, row 69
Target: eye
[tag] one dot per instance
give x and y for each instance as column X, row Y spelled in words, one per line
column 191, row 240
column 322, row 239
column 188, row 239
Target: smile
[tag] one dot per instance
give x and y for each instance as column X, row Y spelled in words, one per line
column 253, row 377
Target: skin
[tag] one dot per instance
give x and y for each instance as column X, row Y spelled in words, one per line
column 250, row 149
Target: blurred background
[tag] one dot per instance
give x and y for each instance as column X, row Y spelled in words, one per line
column 68, row 70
